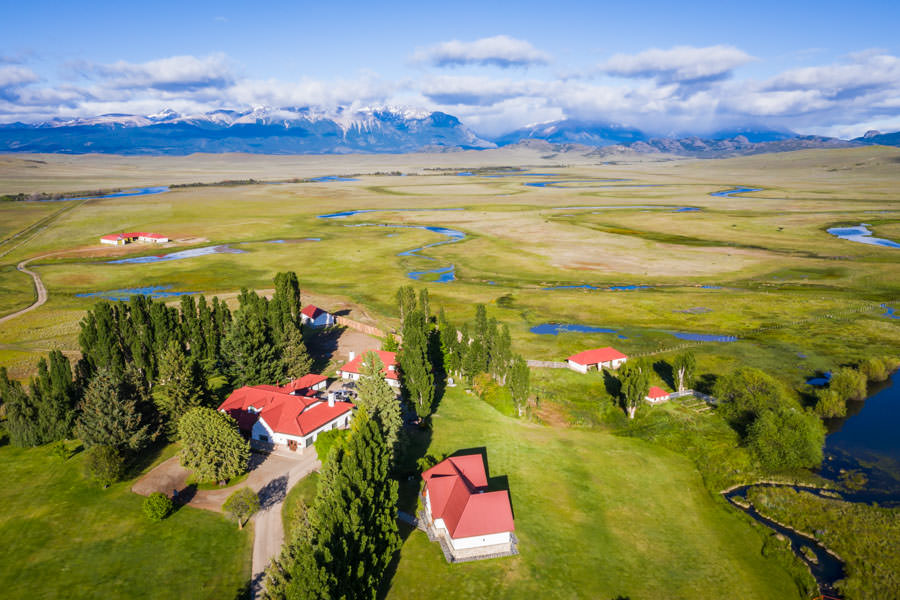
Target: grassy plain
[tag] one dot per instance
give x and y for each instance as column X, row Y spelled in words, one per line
column 63, row 537
column 596, row 515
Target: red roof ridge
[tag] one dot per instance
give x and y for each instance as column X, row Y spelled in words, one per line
column 597, row 355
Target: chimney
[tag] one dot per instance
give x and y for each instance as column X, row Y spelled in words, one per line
column 352, row 355
column 330, row 398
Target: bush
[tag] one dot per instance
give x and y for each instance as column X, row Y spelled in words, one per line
column 848, row 383
column 327, row 440
column 104, row 465
column 787, row 439
column 61, row 450
column 874, row 369
column 829, row 404
column 157, row 506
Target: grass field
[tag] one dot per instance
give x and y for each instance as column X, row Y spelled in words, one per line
column 64, row 537
column 596, row 515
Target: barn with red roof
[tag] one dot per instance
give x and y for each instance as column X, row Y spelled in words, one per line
column 120, row 239
column 469, row 521
column 351, row 370
column 315, row 317
column 289, row 416
column 597, row 358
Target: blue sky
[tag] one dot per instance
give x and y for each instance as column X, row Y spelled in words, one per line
column 815, row 67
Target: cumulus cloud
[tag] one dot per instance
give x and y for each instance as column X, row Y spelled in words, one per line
column 172, row 74
column 477, row 91
column 681, row 64
column 498, row 51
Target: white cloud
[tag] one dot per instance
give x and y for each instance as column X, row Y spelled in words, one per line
column 498, row 51
column 174, row 74
column 681, row 64
column 12, row 76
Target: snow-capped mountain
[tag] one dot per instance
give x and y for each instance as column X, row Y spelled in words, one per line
column 261, row 130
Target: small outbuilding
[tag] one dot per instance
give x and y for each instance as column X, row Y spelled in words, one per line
column 351, row 370
column 598, row 358
column 315, row 317
column 656, row 395
column 468, row 521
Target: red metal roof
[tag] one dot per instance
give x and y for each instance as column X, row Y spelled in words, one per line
column 281, row 411
column 656, row 392
column 388, row 359
column 312, row 311
column 304, row 383
column 598, row 355
column 456, row 490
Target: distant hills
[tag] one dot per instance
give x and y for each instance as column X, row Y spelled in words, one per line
column 376, row 130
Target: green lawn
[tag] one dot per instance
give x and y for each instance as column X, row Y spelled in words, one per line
column 304, row 491
column 63, row 537
column 596, row 515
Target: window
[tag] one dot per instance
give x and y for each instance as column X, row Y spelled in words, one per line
column 263, row 438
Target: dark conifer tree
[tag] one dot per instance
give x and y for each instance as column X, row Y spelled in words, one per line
column 54, row 394
column 111, row 413
column 21, row 413
column 250, row 350
column 416, row 373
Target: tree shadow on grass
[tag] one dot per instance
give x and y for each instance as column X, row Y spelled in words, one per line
column 705, row 383
column 322, row 345
column 612, row 384
column 142, row 461
column 665, row 372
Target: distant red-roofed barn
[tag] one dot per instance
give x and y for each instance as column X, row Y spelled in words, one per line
column 469, row 521
column 120, row 239
column 315, row 317
column 351, row 370
column 599, row 358
column 289, row 416
column 656, row 395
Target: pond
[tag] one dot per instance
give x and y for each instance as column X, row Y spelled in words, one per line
column 329, row 178
column 123, row 295
column 147, row 191
column 180, row 255
column 444, row 274
column 866, row 440
column 731, row 193
column 557, row 328
column 861, row 235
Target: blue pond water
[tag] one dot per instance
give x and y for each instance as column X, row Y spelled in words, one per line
column 889, row 312
column 123, row 295
column 820, row 381
column 862, row 235
column 730, row 193
column 612, row 288
column 182, row 254
column 147, row 191
column 327, row 178
column 445, row 274
column 557, row 328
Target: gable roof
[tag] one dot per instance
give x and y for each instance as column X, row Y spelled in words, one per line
column 597, row 355
column 656, row 392
column 282, row 412
column 312, row 311
column 304, row 383
column 388, row 359
column 456, row 491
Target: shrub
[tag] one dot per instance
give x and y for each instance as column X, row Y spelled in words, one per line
column 104, row 465
column 327, row 440
column 848, row 383
column 787, row 439
column 874, row 369
column 61, row 450
column 157, row 506
column 829, row 404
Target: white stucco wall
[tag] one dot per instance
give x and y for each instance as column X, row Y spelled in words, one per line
column 578, row 367
column 478, row 541
column 261, row 428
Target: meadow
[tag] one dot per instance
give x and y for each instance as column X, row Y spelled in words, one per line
column 599, row 503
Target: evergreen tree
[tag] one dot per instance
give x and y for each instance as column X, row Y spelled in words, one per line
column 181, row 386
column 212, row 446
column 111, row 415
column 379, row 402
column 684, row 366
column 424, row 304
column 295, row 356
column 450, row 345
column 519, row 382
column 501, row 354
column 351, row 531
column 284, row 309
column 406, row 301
column 415, row 367
column 54, row 394
column 635, row 378
column 249, row 347
column 21, row 413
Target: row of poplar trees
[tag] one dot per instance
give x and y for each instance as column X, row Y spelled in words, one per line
column 143, row 365
column 434, row 349
column 341, row 545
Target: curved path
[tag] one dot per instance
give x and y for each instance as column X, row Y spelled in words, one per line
column 38, row 286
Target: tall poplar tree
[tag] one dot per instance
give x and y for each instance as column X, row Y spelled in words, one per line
column 54, row 394
column 635, row 378
column 416, row 374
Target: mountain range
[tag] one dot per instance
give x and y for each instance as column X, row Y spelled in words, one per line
column 372, row 130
